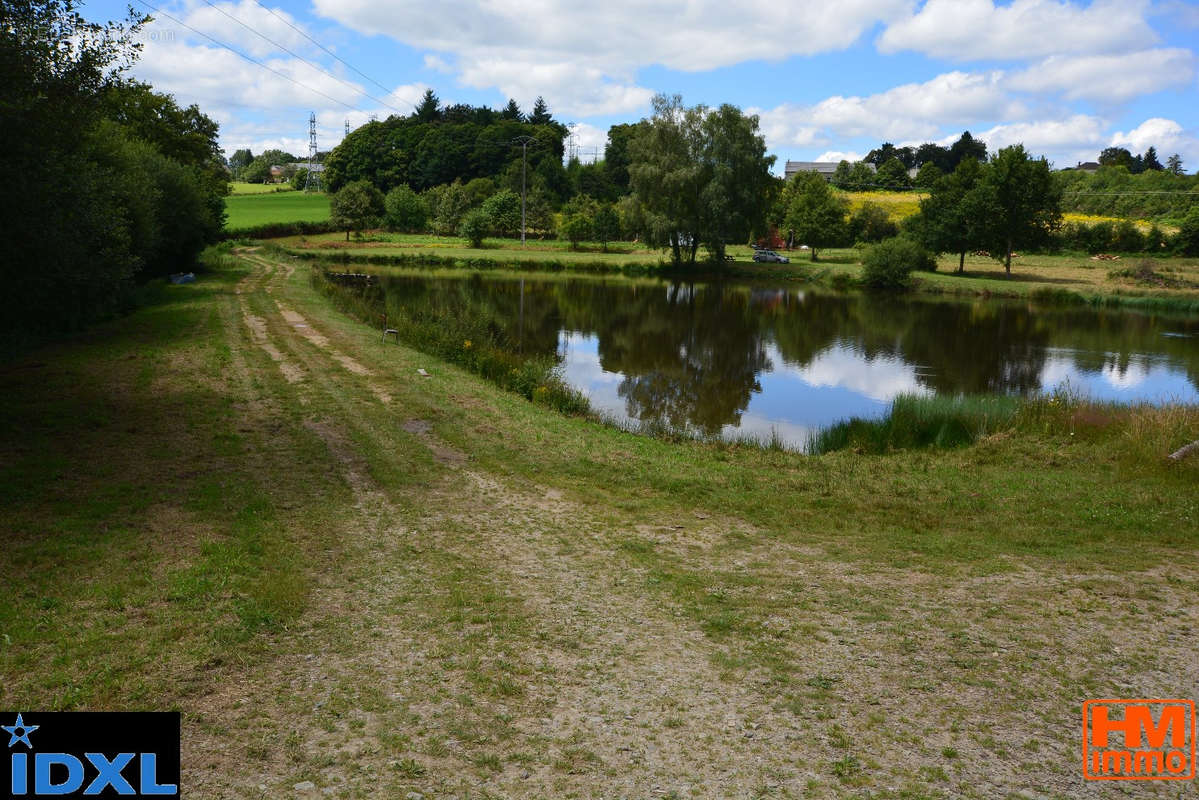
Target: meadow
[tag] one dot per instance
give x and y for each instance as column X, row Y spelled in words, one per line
column 250, row 210
column 242, row 188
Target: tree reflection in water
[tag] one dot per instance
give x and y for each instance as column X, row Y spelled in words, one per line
column 691, row 355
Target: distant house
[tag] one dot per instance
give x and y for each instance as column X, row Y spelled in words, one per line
column 317, row 168
column 824, row 169
column 276, row 172
column 1086, row 166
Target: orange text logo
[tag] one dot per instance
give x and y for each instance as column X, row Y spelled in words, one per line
column 1138, row 740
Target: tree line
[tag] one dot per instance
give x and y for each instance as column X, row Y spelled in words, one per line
column 109, row 182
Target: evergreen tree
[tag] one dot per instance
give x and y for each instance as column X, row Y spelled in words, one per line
column 512, row 112
column 1149, row 161
column 541, row 113
column 428, row 110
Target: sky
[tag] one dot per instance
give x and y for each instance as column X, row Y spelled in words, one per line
column 827, row 80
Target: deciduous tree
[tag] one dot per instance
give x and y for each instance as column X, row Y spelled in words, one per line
column 815, row 212
column 702, row 176
column 356, row 206
column 1025, row 199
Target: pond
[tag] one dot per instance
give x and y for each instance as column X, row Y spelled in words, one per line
column 740, row 360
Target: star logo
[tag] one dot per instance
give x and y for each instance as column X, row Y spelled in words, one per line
column 24, row 729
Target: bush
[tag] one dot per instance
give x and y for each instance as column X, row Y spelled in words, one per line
column 606, row 225
column 474, row 227
column 576, row 228
column 871, row 223
column 503, row 212
column 405, row 210
column 1186, row 242
column 889, row 264
column 1127, row 239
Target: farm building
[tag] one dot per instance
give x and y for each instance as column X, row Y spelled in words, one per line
column 823, row 168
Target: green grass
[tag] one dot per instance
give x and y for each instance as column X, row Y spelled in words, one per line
column 916, row 421
column 242, row 188
column 247, row 211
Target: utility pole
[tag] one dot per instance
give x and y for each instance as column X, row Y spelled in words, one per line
column 524, row 142
column 312, row 181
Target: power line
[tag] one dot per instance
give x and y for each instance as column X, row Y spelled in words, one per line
column 300, row 31
column 240, row 54
column 1193, row 192
column 317, row 67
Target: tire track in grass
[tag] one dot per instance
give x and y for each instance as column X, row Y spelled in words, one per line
column 612, row 663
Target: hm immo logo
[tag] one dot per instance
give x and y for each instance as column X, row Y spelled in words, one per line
column 90, row 754
column 1131, row 740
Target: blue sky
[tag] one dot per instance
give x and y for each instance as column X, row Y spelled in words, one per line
column 828, row 80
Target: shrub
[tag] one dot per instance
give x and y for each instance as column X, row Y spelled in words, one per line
column 405, row 210
column 888, row 264
column 576, row 228
column 871, row 223
column 1186, row 241
column 474, row 227
column 606, row 225
column 503, row 212
column 1127, row 239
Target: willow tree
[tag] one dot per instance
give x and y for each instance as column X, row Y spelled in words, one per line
column 701, row 176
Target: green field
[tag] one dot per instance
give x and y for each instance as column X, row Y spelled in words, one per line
column 250, row 210
column 237, row 503
column 241, row 187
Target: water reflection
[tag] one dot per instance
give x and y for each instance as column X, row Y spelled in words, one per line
column 749, row 360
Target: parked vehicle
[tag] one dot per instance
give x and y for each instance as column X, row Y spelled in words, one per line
column 769, row 256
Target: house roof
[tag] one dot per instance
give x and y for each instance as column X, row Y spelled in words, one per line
column 822, row 167
column 812, row 166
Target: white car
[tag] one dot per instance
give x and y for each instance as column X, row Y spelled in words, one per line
column 769, row 256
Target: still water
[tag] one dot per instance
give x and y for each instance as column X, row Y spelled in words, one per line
column 747, row 360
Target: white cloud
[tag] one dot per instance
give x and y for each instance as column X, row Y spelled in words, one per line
column 963, row 30
column 569, row 88
column 589, row 139
column 221, row 21
column 914, row 111
column 1164, row 134
column 1078, row 138
column 838, row 156
column 215, row 76
column 1108, row 78
column 582, row 58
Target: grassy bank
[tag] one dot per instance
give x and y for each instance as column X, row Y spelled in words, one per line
column 237, row 503
column 470, row 343
column 920, row 422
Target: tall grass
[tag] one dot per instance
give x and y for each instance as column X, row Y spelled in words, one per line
column 916, row 421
